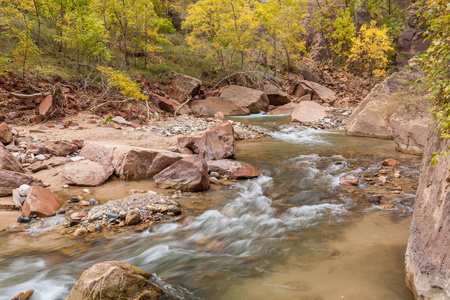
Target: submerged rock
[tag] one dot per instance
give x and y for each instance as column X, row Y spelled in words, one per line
column 112, row 280
column 234, row 169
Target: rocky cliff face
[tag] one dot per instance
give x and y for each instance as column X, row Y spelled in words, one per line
column 395, row 109
column 427, row 258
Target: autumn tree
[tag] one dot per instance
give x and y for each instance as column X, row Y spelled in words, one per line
column 222, row 28
column 15, row 13
column 436, row 61
column 282, row 21
column 370, row 50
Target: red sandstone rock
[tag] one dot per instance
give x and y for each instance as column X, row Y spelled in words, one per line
column 307, row 111
column 60, row 147
column 86, row 173
column 46, row 105
column 10, row 180
column 130, row 163
column 40, row 202
column 6, row 135
column 234, row 169
column 8, row 162
column 390, row 162
column 189, row 174
column 255, row 100
column 349, row 181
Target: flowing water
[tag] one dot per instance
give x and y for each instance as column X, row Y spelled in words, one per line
column 293, row 233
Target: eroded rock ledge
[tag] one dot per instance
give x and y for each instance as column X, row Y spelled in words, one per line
column 427, row 261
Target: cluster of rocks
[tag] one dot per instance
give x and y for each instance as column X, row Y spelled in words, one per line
column 84, row 216
column 335, row 119
column 382, row 186
column 188, row 125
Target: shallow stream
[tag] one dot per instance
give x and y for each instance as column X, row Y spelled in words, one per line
column 294, row 233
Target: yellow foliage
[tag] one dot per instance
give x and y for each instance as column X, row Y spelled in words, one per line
column 370, row 50
column 123, row 83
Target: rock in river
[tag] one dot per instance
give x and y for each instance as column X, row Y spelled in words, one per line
column 112, row 280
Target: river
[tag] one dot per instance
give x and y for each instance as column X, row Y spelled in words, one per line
column 294, row 233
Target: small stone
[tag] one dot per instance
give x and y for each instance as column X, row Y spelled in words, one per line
column 80, row 231
column 214, row 175
column 164, row 209
column 136, row 191
column 93, row 202
column 65, row 186
column 349, row 181
column 390, row 162
column 152, row 193
column 23, row 190
column 133, row 217
column 77, row 158
column 113, row 216
column 84, row 203
column 122, row 214
column 17, row 198
column 386, row 206
column 397, row 173
column 175, row 209
column 40, row 157
column 374, row 199
column 214, row 180
column 75, row 200
column 87, row 191
column 96, row 216
column 91, row 228
column 24, row 219
column 98, row 227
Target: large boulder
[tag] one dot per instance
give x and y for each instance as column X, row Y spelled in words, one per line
column 60, row 147
column 130, row 163
column 8, row 162
column 318, row 92
column 427, row 261
column 276, row 96
column 186, row 85
column 215, row 143
column 234, row 169
column 210, row 106
column 189, row 174
column 40, row 202
column 10, row 180
column 395, row 108
column 111, row 280
column 286, row 109
column 411, row 131
column 255, row 100
column 6, row 135
column 86, row 173
column 308, row 111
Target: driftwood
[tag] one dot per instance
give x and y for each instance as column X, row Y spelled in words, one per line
column 28, row 96
column 23, row 296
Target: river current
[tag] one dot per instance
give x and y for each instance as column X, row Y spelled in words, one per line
column 293, row 233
